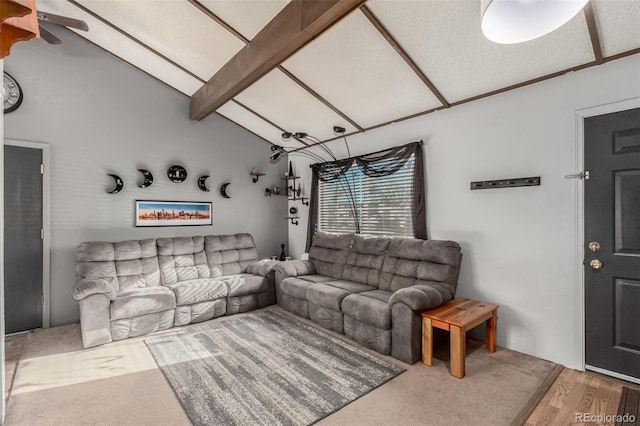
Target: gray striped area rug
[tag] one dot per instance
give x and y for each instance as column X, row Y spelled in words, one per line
column 264, row 368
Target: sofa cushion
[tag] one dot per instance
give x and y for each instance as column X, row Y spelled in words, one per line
column 369, row 310
column 199, row 290
column 326, row 296
column 364, row 262
column 142, row 301
column 295, row 287
column 316, row 278
column 350, row 286
column 380, row 295
column 411, row 262
column 125, row 265
column 245, row 284
column 329, row 253
column 177, row 246
column 229, row 254
column 182, row 259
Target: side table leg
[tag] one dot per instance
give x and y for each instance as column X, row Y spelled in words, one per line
column 427, row 342
column 458, row 351
column 491, row 332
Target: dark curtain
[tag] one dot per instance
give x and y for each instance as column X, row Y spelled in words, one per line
column 312, row 224
column 377, row 164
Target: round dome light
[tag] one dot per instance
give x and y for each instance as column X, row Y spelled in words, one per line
column 517, row 21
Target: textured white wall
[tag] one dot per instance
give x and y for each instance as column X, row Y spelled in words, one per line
column 100, row 116
column 520, row 244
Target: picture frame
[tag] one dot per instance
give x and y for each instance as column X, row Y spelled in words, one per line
column 150, row 213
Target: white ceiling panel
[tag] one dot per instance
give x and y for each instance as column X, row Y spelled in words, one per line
column 247, row 17
column 445, row 40
column 124, row 48
column 252, row 122
column 176, row 29
column 618, row 23
column 285, row 103
column 353, row 67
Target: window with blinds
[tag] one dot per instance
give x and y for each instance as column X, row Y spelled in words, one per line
column 382, row 204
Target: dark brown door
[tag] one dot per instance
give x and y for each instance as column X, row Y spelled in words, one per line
column 612, row 242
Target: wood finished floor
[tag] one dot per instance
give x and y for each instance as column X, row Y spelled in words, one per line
column 575, row 392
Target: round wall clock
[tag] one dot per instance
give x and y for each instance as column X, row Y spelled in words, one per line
column 177, row 173
column 11, row 93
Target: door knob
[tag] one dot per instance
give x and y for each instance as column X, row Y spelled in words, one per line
column 594, row 246
column 595, row 264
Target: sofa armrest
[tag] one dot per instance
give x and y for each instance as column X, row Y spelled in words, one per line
column 85, row 287
column 295, row 268
column 421, row 297
column 261, row 267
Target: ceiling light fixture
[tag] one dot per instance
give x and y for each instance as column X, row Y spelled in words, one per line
column 517, row 21
column 276, row 153
column 323, row 155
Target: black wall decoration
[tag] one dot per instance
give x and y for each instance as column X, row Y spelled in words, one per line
column 119, row 184
column 177, row 173
column 148, row 178
column 223, row 190
column 505, row 183
column 202, row 183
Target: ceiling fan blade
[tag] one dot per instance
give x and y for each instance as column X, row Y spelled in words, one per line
column 63, row 20
column 47, row 36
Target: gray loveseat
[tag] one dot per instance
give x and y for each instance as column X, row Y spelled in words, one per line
column 131, row 288
column 372, row 289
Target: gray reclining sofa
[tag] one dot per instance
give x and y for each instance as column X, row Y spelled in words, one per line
column 131, row 288
column 372, row 289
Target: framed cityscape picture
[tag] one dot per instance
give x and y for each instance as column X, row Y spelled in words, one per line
column 173, row 213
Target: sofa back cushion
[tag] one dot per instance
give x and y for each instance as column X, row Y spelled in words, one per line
column 365, row 259
column 329, row 253
column 182, row 259
column 125, row 265
column 229, row 254
column 412, row 261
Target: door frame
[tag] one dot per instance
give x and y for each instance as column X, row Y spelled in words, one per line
column 46, row 222
column 581, row 114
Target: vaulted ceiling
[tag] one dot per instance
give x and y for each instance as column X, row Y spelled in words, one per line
column 386, row 61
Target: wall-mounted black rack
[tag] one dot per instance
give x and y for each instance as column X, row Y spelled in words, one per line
column 506, row 183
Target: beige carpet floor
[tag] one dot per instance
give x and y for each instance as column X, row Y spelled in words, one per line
column 57, row 382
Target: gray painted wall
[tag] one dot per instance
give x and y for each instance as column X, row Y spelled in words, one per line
column 521, row 245
column 101, row 115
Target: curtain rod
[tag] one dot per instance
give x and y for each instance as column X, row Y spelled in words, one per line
column 420, row 143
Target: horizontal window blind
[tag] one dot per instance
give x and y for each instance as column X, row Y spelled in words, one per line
column 382, row 204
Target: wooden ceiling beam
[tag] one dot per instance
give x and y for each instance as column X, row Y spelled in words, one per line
column 593, row 33
column 296, row 25
column 295, row 79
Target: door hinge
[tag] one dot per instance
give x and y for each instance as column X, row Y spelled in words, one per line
column 42, row 299
column 582, row 175
column 41, row 169
column 41, row 234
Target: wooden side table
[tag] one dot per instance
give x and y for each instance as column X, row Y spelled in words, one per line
column 457, row 317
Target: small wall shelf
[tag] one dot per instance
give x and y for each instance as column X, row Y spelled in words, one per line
column 292, row 192
column 256, row 175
